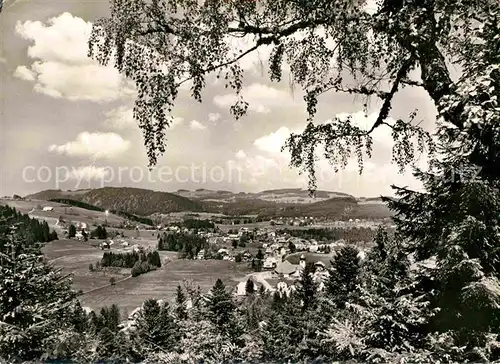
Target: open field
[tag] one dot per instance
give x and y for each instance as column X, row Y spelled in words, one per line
column 68, row 213
column 74, row 257
column 162, row 283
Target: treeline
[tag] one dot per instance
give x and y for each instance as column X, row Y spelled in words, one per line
column 188, row 245
column 198, row 224
column 34, row 231
column 140, row 262
column 128, row 259
column 332, row 234
column 86, row 206
column 132, row 217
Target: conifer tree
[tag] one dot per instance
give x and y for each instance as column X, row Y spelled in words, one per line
column 157, row 327
column 71, row 231
column 221, row 307
column 180, row 301
column 249, row 287
column 36, row 301
column 344, row 276
column 307, row 290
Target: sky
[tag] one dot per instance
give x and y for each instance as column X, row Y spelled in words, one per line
column 67, row 121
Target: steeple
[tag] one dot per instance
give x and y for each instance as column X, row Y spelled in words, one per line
column 302, row 262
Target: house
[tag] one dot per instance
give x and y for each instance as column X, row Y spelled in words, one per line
column 247, row 256
column 223, row 252
column 105, row 245
column 48, row 208
column 313, row 248
column 81, row 226
column 201, row 254
column 270, row 263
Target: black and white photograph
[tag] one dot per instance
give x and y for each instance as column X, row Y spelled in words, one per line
column 250, row 181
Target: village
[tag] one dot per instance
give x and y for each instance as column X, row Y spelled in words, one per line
column 275, row 255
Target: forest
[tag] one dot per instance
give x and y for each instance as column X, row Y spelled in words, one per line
column 188, row 245
column 355, row 234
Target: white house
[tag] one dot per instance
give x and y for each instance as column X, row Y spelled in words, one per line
column 48, row 208
column 270, row 263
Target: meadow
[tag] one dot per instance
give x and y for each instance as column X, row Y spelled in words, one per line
column 74, row 257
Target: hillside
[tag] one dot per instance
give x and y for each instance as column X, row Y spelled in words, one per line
column 283, row 202
column 131, row 200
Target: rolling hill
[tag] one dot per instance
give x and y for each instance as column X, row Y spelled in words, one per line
column 283, row 202
column 131, row 200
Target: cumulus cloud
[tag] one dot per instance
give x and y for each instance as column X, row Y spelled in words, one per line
column 88, row 173
column 24, row 73
column 196, row 125
column 122, row 117
column 272, row 142
column 61, row 68
column 261, row 98
column 213, row 117
column 97, row 145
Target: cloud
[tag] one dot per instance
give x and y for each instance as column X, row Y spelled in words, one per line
column 62, row 69
column 272, row 142
column 261, row 98
column 240, row 154
column 88, row 173
column 24, row 73
column 196, row 125
column 97, row 145
column 3, row 60
column 213, row 117
column 122, row 117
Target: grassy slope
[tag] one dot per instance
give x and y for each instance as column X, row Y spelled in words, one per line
column 132, row 200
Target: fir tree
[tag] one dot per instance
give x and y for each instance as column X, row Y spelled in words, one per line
column 180, row 301
column 221, row 311
column 157, row 327
column 344, row 276
column 36, row 302
column 71, row 231
column 249, row 287
column 308, row 288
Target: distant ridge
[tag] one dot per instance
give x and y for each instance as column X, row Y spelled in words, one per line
column 280, row 202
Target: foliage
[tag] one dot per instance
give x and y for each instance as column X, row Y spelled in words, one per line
column 99, row 233
column 36, row 302
column 354, row 234
column 198, row 224
column 156, row 327
column 71, row 231
column 344, row 276
column 249, row 287
column 129, row 259
column 188, row 245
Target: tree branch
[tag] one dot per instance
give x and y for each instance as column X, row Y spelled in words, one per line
column 386, row 106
